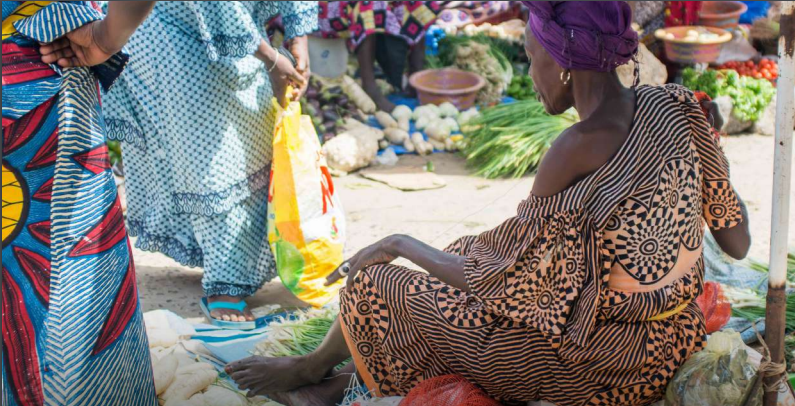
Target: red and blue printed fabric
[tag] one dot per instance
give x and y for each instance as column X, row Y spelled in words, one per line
column 72, row 326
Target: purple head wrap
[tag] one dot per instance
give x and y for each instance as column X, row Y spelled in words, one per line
column 584, row 35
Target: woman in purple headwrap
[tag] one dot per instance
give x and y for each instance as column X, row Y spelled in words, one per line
column 587, row 295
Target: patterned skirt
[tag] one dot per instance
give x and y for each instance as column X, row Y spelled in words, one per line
column 71, row 317
column 356, row 20
column 404, row 326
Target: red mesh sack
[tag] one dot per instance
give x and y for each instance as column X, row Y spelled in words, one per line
column 717, row 310
column 447, row 390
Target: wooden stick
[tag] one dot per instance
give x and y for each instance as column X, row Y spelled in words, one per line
column 775, row 312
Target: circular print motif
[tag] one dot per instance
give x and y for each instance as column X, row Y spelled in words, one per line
column 649, row 251
column 15, row 203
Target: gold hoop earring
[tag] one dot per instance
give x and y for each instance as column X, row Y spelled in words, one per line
column 568, row 76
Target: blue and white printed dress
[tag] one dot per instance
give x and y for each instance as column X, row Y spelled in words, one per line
column 192, row 110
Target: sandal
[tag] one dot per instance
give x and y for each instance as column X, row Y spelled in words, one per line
column 231, row 325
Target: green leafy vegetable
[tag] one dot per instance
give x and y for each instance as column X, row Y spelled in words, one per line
column 510, row 139
column 114, row 152
column 297, row 335
column 749, row 96
column 521, row 88
column 754, row 313
column 762, row 267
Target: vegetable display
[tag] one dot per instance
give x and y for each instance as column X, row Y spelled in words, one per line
column 510, row 139
column 762, row 267
column 358, row 95
column 298, row 335
column 328, row 103
column 521, row 88
column 750, row 303
column 479, row 55
column 749, row 96
column 765, row 69
column 696, row 34
column 512, row 30
column 353, row 148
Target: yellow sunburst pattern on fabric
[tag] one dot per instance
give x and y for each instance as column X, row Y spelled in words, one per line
column 14, row 203
column 25, row 10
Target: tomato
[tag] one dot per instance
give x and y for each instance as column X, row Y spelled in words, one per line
column 749, row 64
column 765, row 60
column 766, row 74
column 758, row 75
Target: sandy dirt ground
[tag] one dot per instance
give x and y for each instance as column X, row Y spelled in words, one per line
column 467, row 205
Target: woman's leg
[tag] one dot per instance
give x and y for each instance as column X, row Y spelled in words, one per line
column 262, row 375
column 416, row 62
column 237, row 258
column 329, row 392
column 365, row 54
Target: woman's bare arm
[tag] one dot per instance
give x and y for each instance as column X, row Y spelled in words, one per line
column 448, row 268
column 95, row 42
column 735, row 241
column 122, row 20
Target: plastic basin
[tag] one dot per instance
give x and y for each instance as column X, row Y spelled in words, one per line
column 436, row 86
column 721, row 14
column 686, row 52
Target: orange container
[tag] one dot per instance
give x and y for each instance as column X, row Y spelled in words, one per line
column 436, row 86
column 721, row 14
column 684, row 51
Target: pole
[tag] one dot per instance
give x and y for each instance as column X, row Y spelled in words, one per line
column 775, row 311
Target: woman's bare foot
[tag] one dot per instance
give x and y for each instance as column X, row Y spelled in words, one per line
column 261, row 375
column 381, row 102
column 229, row 314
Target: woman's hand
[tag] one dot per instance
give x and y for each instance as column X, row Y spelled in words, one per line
column 299, row 48
column 281, row 72
column 84, row 46
column 95, row 42
column 715, row 119
column 378, row 253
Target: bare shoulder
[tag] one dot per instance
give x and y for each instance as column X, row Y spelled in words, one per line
column 560, row 166
column 579, row 151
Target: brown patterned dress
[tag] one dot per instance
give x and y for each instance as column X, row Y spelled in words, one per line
column 583, row 298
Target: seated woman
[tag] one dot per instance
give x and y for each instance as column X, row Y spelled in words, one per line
column 586, row 295
column 383, row 31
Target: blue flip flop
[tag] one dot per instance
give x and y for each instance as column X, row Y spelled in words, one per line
column 231, row 325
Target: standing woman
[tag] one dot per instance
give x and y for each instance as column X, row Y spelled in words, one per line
column 391, row 33
column 73, row 333
column 193, row 112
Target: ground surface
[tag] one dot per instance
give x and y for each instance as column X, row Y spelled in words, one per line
column 467, row 205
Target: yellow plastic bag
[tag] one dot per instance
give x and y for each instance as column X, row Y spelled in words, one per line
column 306, row 223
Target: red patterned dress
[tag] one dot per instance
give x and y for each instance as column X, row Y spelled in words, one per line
column 584, row 297
column 355, row 20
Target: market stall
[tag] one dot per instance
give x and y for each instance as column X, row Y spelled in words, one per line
column 476, row 99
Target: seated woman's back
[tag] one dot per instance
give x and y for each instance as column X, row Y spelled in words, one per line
column 654, row 234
